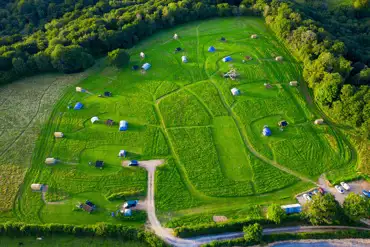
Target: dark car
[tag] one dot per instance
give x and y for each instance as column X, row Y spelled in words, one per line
column 133, row 163
column 321, row 190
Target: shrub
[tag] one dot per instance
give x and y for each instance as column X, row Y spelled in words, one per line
column 119, row 58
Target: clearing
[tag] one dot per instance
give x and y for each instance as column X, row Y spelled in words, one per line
column 217, row 160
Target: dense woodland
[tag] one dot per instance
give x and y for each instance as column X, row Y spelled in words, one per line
column 67, row 35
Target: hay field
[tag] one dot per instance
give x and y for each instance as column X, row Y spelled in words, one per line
column 217, row 159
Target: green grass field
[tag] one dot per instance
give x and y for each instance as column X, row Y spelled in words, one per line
column 218, row 162
column 64, row 241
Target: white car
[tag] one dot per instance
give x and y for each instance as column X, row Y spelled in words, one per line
column 339, row 189
column 345, row 186
column 307, row 197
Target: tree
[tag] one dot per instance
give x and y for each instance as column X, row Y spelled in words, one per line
column 356, row 207
column 322, row 209
column 70, row 59
column 328, row 89
column 275, row 213
column 119, row 58
column 253, row 233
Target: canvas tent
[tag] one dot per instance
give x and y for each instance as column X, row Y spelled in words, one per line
column 254, row 36
column 123, row 125
column 78, row 106
column 94, row 119
column 78, row 89
column 99, row 164
column 227, row 59
column 37, row 187
column 122, row 153
column 50, row 161
column 211, row 49
column 146, row 66
column 175, row 36
column 142, row 55
column 319, row 121
column 293, row 83
column 184, row 59
column 235, row 91
column 58, row 134
column 107, row 94
column 266, row 131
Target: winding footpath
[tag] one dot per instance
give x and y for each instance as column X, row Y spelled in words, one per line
column 164, row 234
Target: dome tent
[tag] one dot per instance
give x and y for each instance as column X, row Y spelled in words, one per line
column 146, row 66
column 123, row 125
column 94, row 119
column 227, row 59
column 184, row 59
column 235, row 91
column 266, row 131
column 78, row 106
column 211, row 49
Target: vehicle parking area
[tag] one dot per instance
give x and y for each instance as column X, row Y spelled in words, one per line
column 355, row 187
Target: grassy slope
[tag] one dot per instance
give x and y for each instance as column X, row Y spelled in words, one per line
column 186, row 114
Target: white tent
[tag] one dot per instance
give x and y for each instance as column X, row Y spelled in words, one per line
column 122, row 153
column 78, row 89
column 235, row 91
column 254, row 36
column 184, row 59
column 50, row 161
column 175, row 36
column 37, row 187
column 94, row 119
column 293, row 83
column 142, row 55
column 58, row 134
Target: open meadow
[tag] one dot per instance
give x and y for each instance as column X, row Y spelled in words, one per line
column 217, row 160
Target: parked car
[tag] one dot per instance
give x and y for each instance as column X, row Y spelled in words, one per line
column 339, row 189
column 133, row 163
column 345, row 186
column 321, row 190
column 366, row 193
column 307, row 197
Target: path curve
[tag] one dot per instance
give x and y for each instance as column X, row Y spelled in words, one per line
column 163, row 233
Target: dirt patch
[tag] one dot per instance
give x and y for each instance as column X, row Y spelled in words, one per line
column 219, row 218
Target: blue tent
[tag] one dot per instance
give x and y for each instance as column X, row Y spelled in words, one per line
column 266, row 131
column 123, row 125
column 211, row 49
column 146, row 66
column 78, row 106
column 227, row 59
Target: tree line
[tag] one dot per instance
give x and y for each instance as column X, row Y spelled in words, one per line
column 70, row 43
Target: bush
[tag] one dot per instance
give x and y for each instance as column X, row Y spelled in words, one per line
column 253, row 233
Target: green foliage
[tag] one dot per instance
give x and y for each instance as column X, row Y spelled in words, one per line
column 253, row 233
column 69, row 59
column 119, row 58
column 356, row 207
column 322, row 209
column 275, row 213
